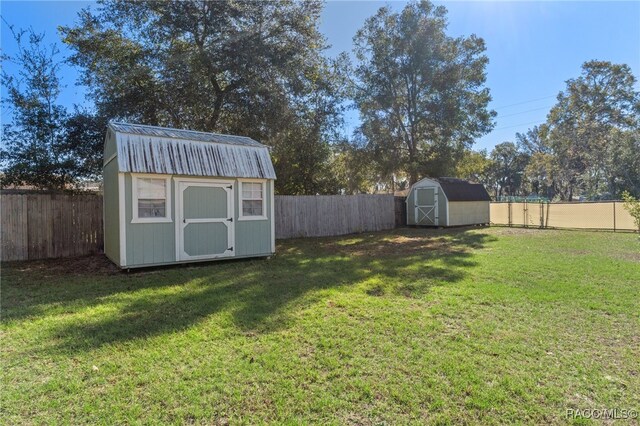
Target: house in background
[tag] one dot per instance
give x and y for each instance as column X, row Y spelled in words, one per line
column 447, row 202
column 173, row 196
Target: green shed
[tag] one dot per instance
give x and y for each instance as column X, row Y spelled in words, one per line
column 447, row 202
column 175, row 196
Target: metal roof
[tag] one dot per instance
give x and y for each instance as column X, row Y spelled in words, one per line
column 462, row 190
column 151, row 149
column 190, row 135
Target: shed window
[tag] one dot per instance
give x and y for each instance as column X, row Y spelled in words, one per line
column 252, row 200
column 150, row 200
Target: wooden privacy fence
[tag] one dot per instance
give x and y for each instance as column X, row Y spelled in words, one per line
column 38, row 226
column 326, row 215
column 606, row 215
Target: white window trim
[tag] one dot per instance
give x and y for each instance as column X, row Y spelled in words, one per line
column 134, row 199
column 264, row 199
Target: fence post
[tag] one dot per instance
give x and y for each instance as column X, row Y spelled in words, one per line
column 546, row 219
column 614, row 216
column 541, row 214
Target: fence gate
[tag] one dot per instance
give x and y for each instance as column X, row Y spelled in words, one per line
column 426, row 206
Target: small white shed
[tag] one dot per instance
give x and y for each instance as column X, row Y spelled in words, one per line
column 447, row 202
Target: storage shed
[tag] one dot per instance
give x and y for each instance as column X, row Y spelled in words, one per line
column 447, row 202
column 173, row 196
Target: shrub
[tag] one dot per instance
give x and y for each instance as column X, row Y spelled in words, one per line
column 632, row 205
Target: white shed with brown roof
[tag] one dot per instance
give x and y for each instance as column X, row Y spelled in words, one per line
column 447, row 202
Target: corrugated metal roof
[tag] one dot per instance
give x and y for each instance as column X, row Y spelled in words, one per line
column 150, row 149
column 462, row 190
column 190, row 135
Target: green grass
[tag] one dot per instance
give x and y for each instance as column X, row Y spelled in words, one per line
column 475, row 326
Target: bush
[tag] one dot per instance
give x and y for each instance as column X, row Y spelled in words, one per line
column 632, row 205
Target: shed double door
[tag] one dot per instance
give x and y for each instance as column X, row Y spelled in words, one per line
column 205, row 224
column 426, row 212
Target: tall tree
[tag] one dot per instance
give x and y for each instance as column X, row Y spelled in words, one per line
column 593, row 130
column 245, row 67
column 420, row 92
column 475, row 166
column 533, row 141
column 541, row 175
column 33, row 151
column 352, row 167
column 541, row 172
column 508, row 169
column 84, row 133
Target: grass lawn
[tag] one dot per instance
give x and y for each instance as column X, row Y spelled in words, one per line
column 480, row 326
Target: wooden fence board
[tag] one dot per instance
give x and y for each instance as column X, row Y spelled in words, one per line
column 39, row 226
column 327, row 215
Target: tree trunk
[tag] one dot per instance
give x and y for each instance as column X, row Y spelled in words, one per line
column 413, row 177
column 217, row 108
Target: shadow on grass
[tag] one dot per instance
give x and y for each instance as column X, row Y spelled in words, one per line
column 259, row 296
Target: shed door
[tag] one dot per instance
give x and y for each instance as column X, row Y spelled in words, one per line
column 205, row 220
column 426, row 206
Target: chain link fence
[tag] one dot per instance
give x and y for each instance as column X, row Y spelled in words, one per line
column 604, row 215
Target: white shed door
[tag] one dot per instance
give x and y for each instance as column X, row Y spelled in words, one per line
column 205, row 220
column 426, row 210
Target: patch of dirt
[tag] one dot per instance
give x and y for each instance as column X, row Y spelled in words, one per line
column 97, row 264
column 634, row 257
column 500, row 230
column 578, row 252
column 376, row 291
column 410, row 241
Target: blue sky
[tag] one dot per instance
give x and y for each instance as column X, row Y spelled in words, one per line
column 533, row 47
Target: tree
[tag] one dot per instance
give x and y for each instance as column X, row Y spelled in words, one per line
column 593, row 131
column 632, row 205
column 541, row 172
column 541, row 175
column 242, row 67
column 475, row 166
column 420, row 92
column 351, row 166
column 508, row 169
column 33, row 151
column 533, row 141
column 83, row 142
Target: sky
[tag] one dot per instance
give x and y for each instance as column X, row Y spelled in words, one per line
column 533, row 47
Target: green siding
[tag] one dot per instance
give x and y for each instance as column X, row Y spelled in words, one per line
column 109, row 145
column 111, row 212
column 154, row 243
column 253, row 237
column 148, row 243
